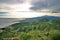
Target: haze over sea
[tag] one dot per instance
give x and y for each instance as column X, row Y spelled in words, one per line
column 10, row 19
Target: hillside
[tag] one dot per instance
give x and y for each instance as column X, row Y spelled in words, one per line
column 35, row 29
column 40, row 23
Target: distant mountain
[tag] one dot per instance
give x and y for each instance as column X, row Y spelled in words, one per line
column 42, row 17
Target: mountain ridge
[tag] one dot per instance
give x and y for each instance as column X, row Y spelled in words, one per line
column 42, row 17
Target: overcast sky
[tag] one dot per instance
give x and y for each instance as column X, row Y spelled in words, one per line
column 27, row 8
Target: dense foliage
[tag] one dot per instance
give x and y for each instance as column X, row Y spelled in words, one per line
column 33, row 30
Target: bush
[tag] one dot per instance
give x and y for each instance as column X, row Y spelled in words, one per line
column 55, row 35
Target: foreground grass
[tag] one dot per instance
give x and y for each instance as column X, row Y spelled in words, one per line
column 32, row 35
column 34, row 30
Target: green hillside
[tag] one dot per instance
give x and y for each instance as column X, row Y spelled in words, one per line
column 44, row 29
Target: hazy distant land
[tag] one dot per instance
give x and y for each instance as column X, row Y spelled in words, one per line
column 8, row 21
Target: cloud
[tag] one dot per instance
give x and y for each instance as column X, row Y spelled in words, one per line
column 53, row 5
column 11, row 1
column 37, row 5
column 5, row 8
column 15, row 5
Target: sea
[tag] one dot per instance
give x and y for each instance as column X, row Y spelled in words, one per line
column 8, row 21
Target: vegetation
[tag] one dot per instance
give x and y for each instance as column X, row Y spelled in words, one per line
column 33, row 30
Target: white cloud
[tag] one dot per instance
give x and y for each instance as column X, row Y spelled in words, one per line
column 28, row 14
column 22, row 15
column 5, row 8
column 16, row 7
column 17, row 10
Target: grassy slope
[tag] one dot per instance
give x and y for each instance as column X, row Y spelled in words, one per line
column 34, row 30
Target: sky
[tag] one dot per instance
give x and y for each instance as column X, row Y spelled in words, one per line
column 28, row 8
